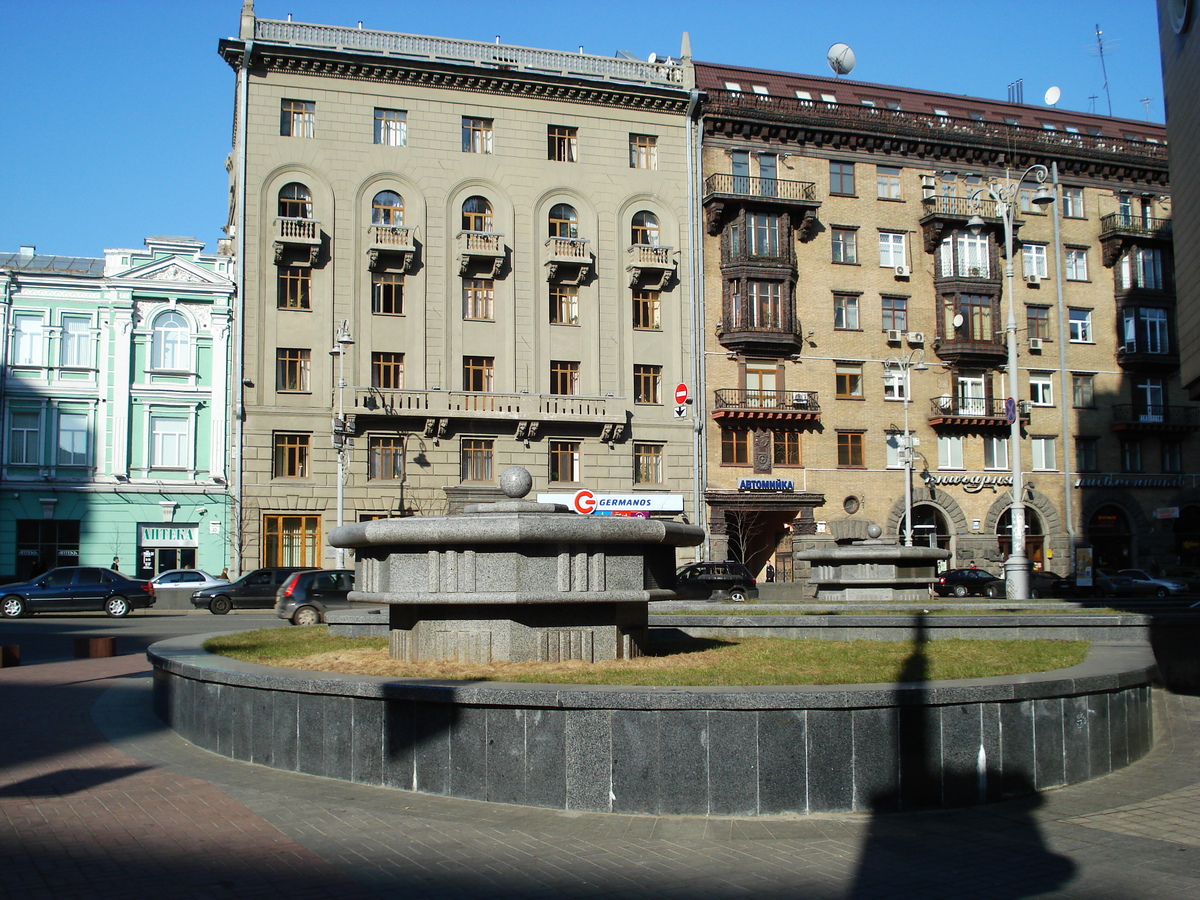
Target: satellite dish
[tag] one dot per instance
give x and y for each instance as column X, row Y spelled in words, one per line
column 652, row 59
column 958, row 321
column 841, row 59
column 1052, row 95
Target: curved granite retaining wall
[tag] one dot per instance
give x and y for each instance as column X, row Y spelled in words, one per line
column 718, row 751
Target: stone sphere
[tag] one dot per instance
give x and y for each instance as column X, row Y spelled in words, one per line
column 874, row 531
column 516, row 482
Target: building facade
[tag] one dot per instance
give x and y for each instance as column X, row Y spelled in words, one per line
column 115, row 409
column 456, row 257
column 854, row 288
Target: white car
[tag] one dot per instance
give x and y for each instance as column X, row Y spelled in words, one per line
column 185, row 578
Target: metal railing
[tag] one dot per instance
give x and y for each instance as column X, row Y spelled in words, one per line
column 1135, row 225
column 959, row 207
column 497, row 56
column 746, row 398
column 502, row 405
column 1157, row 414
column 747, row 186
column 293, row 229
column 977, row 407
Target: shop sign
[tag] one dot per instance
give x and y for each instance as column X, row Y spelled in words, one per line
column 766, row 484
column 605, row 504
column 1167, row 512
column 972, row 484
column 1126, row 481
column 168, row 536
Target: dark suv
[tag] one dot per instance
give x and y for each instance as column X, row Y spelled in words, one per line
column 723, row 580
column 253, row 591
column 77, row 589
column 306, row 596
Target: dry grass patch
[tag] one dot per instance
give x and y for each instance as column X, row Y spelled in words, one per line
column 692, row 662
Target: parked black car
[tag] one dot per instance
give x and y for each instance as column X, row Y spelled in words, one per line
column 253, row 591
column 964, row 583
column 716, row 581
column 1041, row 584
column 305, row 597
column 77, row 589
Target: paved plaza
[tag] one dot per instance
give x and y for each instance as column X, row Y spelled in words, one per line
column 98, row 799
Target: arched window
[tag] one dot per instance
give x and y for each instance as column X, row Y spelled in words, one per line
column 170, row 345
column 564, row 222
column 645, row 229
column 477, row 214
column 295, row 201
column 387, row 209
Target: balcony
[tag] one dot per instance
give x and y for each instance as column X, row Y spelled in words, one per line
column 1155, row 418
column 568, row 260
column 759, row 406
column 969, row 353
column 391, row 247
column 973, row 412
column 770, row 333
column 1120, row 231
column 650, row 267
column 297, row 235
column 941, row 215
column 1132, row 359
column 481, row 249
column 726, row 193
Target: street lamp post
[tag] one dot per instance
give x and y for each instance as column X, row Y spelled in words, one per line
column 341, row 343
column 914, row 361
column 1006, row 194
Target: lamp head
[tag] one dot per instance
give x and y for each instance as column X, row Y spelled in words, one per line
column 975, row 224
column 1043, row 196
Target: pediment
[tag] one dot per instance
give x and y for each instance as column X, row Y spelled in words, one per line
column 172, row 270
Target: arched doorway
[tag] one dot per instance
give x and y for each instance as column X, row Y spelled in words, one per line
column 1111, row 539
column 930, row 529
column 1035, row 539
column 1187, row 536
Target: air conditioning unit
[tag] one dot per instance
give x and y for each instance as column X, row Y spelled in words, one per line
column 903, row 271
column 1026, row 407
column 799, row 399
column 893, row 336
column 1033, row 279
column 916, row 337
column 1035, row 343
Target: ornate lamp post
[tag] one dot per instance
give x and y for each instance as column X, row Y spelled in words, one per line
column 1005, row 194
column 341, row 343
column 914, row 361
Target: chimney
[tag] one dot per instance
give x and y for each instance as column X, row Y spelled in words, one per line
column 28, row 250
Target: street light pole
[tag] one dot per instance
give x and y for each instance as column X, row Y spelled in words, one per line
column 342, row 342
column 906, row 365
column 1006, row 194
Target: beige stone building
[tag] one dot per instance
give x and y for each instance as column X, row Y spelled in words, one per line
column 455, row 257
column 846, row 289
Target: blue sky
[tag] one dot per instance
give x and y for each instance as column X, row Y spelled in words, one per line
column 117, row 115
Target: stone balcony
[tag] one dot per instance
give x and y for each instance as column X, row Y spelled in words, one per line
column 650, row 267
column 724, row 193
column 391, row 246
column 568, row 260
column 480, row 249
column 297, row 235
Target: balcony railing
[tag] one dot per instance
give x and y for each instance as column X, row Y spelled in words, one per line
column 301, row 231
column 569, row 249
column 1135, row 226
column 568, row 260
column 959, row 207
column 771, row 188
column 479, row 246
column 1156, row 417
column 391, row 237
column 649, row 266
column 490, row 404
column 973, row 408
column 750, row 399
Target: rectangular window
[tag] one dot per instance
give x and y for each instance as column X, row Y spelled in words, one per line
column 27, row 340
column 1043, row 454
column 995, row 453
column 766, row 304
column 168, row 443
column 845, row 245
column 1172, row 457
column 976, row 322
column 1131, row 456
column 291, row 540
column 1037, row 321
column 647, row 464
column 562, row 143
column 1086, row 456
column 387, row 294
column 1083, row 390
column 1076, row 264
column 1142, row 267
column 291, row 455
column 564, row 377
column 964, row 254
column 887, row 182
column 787, row 448
column 643, row 151
column 762, row 234
column 564, row 304
column 841, row 178
column 292, row 369
column 895, row 383
column 391, row 127
column 476, row 459
column 297, row 118
column 845, row 312
column 735, row 447
column 1033, row 258
column 76, row 349
column 849, row 381
column 476, row 135
column 295, row 287
column 1080, row 324
column 1041, row 388
column 564, row 461
column 647, row 384
column 478, row 373
column 387, row 370
column 891, row 249
column 385, row 458
column 1072, row 203
column 25, row 439
column 1144, row 330
column 950, row 451
column 647, row 310
column 896, row 446
column 850, row 449
column 478, row 297
column 895, row 313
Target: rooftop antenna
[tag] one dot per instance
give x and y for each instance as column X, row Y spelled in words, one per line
column 841, row 59
column 1016, row 91
column 1146, row 103
column 1092, row 98
column 1103, row 68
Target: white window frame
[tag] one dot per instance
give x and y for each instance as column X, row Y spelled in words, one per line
column 892, row 249
column 75, row 342
column 963, row 251
column 170, row 348
column 29, row 340
column 1072, row 203
column 1041, row 389
column 845, row 312
column 391, row 131
column 168, row 448
column 894, row 444
column 1076, row 259
column 30, row 429
column 1080, row 326
column 77, row 439
column 995, row 452
column 895, row 384
column 1042, row 454
column 950, row 451
column 1033, row 259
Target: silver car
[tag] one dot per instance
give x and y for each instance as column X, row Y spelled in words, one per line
column 1159, row 587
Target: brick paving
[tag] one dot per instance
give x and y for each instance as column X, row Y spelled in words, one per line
column 98, row 800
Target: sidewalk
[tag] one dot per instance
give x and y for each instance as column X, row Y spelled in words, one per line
column 98, row 800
